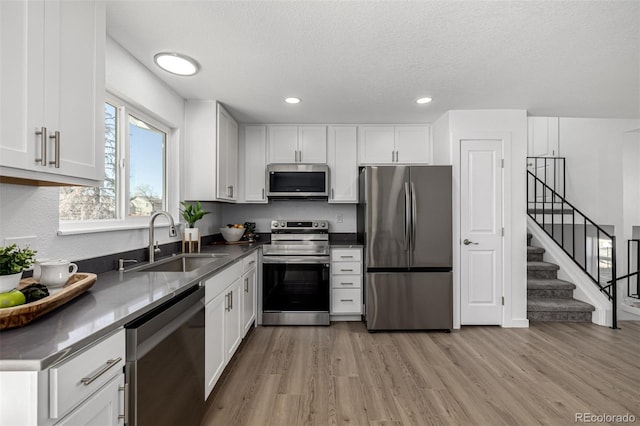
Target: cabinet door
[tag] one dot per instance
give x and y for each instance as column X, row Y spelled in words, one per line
column 75, row 82
column 376, row 144
column 233, row 319
column 249, row 281
column 232, row 158
column 223, row 148
column 283, row 144
column 413, row 144
column 343, row 164
column 255, row 162
column 105, row 407
column 214, row 349
column 312, row 144
column 21, row 83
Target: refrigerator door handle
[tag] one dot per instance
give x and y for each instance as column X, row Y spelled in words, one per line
column 414, row 215
column 407, row 216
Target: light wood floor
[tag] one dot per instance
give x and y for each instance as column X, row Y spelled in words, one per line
column 477, row 375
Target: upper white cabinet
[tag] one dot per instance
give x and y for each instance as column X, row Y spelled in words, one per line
column 394, row 144
column 297, row 144
column 210, row 155
column 253, row 155
column 52, row 78
column 342, row 159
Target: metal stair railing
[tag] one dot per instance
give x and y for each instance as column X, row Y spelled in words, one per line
column 630, row 244
column 603, row 274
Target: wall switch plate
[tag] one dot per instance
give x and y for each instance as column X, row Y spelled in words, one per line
column 340, row 218
column 23, row 242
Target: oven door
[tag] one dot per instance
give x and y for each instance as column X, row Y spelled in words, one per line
column 295, row 290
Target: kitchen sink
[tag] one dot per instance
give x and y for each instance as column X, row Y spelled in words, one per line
column 179, row 263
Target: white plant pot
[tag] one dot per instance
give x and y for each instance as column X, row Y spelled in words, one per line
column 191, row 234
column 9, row 282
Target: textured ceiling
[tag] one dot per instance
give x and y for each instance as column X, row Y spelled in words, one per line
column 367, row 61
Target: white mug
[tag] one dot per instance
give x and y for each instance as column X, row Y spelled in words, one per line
column 56, row 273
column 36, row 267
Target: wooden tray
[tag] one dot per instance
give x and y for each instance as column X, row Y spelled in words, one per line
column 18, row 316
column 228, row 243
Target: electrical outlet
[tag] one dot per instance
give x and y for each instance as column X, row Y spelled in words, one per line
column 340, row 218
column 23, row 242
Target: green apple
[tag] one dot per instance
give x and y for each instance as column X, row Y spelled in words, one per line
column 12, row 298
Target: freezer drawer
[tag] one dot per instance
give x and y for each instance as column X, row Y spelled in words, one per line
column 409, row 301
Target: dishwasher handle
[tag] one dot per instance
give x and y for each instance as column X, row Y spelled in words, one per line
column 156, row 329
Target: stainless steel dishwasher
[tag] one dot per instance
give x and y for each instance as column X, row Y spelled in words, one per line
column 165, row 363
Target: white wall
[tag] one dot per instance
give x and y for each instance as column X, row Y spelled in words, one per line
column 33, row 211
column 263, row 214
column 478, row 123
column 441, row 140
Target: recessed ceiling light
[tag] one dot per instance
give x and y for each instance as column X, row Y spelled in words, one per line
column 292, row 100
column 176, row 63
column 423, row 100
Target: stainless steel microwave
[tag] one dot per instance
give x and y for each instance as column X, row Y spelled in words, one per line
column 298, row 181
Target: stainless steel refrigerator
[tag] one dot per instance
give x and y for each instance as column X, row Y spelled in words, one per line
column 405, row 222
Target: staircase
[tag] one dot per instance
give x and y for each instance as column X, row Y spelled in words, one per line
column 548, row 298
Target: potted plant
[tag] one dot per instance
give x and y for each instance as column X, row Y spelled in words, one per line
column 191, row 214
column 13, row 261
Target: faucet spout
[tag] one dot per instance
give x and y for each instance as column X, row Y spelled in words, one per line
column 172, row 231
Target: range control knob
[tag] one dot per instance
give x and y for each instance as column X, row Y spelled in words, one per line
column 323, row 224
column 275, row 224
column 282, row 224
column 315, row 224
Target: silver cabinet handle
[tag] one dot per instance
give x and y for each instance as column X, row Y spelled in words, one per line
column 393, row 156
column 43, row 146
column 346, row 270
column 125, row 410
column 263, row 193
column 246, row 285
column 346, row 283
column 231, row 191
column 332, row 193
column 467, row 242
column 226, row 302
column 56, row 141
column 346, row 300
column 346, row 257
column 253, row 262
column 397, row 155
column 88, row 380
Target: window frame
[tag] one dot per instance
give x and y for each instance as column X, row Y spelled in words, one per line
column 124, row 221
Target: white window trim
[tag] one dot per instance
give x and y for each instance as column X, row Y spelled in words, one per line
column 171, row 172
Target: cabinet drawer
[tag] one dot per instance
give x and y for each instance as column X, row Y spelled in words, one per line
column 71, row 381
column 219, row 282
column 349, row 268
column 346, row 281
column 346, row 255
column 250, row 262
column 346, row 301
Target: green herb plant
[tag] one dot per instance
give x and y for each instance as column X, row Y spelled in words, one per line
column 191, row 214
column 13, row 259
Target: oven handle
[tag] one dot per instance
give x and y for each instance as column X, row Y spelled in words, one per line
column 299, row 260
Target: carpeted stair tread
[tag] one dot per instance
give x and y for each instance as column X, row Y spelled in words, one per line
column 541, row 266
column 537, row 250
column 549, row 284
column 558, row 305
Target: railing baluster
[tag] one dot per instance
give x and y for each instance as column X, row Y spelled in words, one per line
column 598, row 252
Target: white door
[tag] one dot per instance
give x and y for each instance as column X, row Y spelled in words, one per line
column 481, row 231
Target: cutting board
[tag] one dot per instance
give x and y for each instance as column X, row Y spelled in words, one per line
column 18, row 316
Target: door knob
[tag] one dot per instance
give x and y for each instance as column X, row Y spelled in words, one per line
column 467, row 242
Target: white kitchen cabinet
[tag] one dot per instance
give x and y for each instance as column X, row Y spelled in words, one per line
column 297, row 144
column 342, row 159
column 253, row 155
column 210, row 154
column 52, row 80
column 88, row 381
column 249, row 283
column 222, row 328
column 105, row 407
column 346, row 284
column 227, row 157
column 394, row 144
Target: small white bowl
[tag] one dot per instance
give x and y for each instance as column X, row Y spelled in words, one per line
column 232, row 234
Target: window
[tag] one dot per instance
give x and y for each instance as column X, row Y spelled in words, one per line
column 134, row 172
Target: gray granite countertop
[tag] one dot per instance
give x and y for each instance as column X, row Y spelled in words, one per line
column 114, row 300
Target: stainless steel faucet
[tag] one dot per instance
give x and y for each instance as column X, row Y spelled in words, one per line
column 172, row 232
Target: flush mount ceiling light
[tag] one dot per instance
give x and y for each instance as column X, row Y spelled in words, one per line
column 292, row 100
column 176, row 63
column 423, row 100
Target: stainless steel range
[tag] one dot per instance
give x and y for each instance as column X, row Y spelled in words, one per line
column 295, row 284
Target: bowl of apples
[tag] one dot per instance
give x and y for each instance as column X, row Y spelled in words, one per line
column 232, row 232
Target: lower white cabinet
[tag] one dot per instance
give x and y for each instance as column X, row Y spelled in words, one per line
column 250, row 284
column 214, row 349
column 85, row 388
column 346, row 284
column 232, row 319
column 105, row 407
